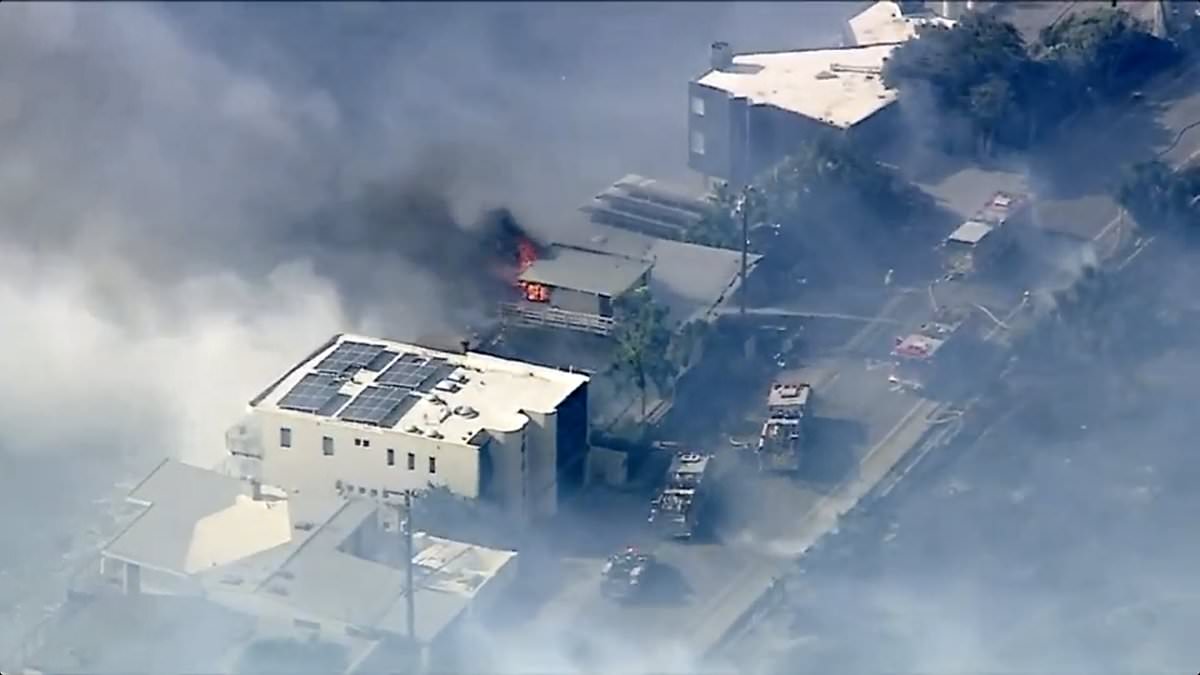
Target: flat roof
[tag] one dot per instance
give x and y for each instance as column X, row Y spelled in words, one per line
column 884, row 23
column 375, row 383
column 840, row 87
column 689, row 279
column 589, row 271
column 197, row 520
column 312, row 574
column 971, row 232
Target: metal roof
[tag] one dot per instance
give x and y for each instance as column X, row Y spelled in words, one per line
column 588, row 271
column 971, row 232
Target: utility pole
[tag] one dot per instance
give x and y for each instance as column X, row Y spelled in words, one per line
column 410, row 604
column 745, row 251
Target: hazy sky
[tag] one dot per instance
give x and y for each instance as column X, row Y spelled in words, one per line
column 157, row 158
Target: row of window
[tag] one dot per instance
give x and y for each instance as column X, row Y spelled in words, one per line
column 285, row 441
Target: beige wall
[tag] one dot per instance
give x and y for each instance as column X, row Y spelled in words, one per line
column 304, row 467
column 523, row 461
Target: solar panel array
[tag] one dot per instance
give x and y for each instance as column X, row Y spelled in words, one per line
column 314, row 393
column 349, row 356
column 410, row 371
column 381, row 404
column 378, row 405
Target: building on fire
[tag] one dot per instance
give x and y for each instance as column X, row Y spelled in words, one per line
column 632, row 237
column 575, row 288
column 266, row 566
column 376, row 418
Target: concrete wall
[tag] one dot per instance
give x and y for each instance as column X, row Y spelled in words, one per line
column 718, row 128
column 306, row 468
column 541, row 463
column 774, row 133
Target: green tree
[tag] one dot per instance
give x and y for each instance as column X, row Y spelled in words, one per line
column 719, row 226
column 642, row 341
column 1106, row 51
column 830, row 182
column 980, row 70
column 1160, row 197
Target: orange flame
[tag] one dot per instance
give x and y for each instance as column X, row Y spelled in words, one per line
column 526, row 254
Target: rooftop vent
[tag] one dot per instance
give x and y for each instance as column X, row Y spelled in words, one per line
column 722, row 56
column 436, row 434
column 413, row 429
column 459, row 378
column 447, row 386
column 466, row 411
column 826, row 75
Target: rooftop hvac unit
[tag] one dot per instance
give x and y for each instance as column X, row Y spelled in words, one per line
column 466, row 411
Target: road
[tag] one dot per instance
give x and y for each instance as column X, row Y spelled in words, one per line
column 860, row 430
column 1019, row 553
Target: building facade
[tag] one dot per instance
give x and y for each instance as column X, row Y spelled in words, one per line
column 376, row 418
column 750, row 111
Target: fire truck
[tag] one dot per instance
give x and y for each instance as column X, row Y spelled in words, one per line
column 782, row 439
column 625, row 574
column 677, row 510
column 917, row 355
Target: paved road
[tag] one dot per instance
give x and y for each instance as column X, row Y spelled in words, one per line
column 1020, row 553
column 861, row 428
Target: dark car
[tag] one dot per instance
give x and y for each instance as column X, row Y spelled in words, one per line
column 626, row 573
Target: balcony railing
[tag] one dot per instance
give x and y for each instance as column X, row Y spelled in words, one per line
column 553, row 317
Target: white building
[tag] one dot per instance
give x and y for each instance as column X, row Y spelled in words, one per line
column 889, row 22
column 376, row 418
column 298, row 566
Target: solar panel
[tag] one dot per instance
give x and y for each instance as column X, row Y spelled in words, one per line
column 378, row 405
column 312, row 394
column 379, row 362
column 349, row 355
column 410, row 371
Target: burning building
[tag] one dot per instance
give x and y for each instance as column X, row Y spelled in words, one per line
column 573, row 288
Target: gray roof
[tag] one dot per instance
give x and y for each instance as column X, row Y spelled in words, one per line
column 971, row 232
column 689, row 279
column 586, row 270
column 311, row 576
column 177, row 497
column 1080, row 218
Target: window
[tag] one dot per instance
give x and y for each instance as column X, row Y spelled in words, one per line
column 362, row 443
column 412, row 462
column 433, row 465
column 357, row 442
column 391, row 457
column 366, row 443
column 285, row 437
column 698, row 106
column 327, row 446
column 697, row 143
